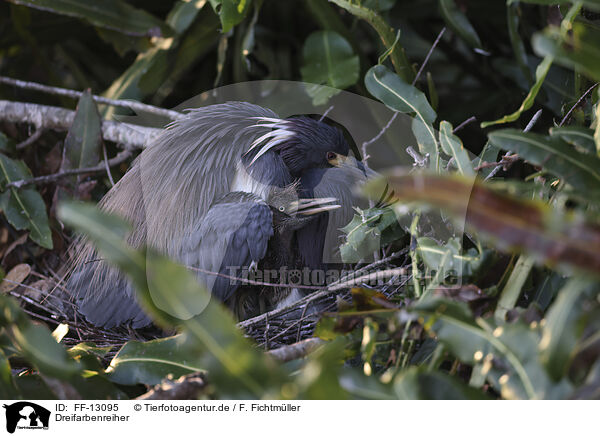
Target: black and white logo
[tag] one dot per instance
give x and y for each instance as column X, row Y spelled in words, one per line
column 26, row 415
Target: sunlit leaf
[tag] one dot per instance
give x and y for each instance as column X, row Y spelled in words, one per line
column 579, row 48
column 387, row 34
column 231, row 12
column 150, row 362
column 540, row 75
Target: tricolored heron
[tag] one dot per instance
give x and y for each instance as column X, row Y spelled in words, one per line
column 202, row 192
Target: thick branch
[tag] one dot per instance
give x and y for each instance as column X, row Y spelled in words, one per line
column 50, row 117
column 133, row 105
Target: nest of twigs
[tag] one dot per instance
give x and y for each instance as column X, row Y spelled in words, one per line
column 46, row 299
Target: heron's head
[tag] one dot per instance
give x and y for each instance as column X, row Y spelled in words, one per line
column 292, row 212
column 303, row 143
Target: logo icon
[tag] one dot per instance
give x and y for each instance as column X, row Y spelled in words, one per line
column 26, row 415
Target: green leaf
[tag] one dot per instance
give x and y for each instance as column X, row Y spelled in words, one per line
column 578, row 49
column 554, row 155
column 34, row 342
column 514, row 287
column 23, row 208
column 328, row 60
column 540, row 75
column 422, row 384
column 510, row 352
column 231, row 12
column 427, row 141
column 453, row 146
column 513, row 18
column 563, row 329
column 6, row 145
column 581, row 138
column 507, row 221
column 82, row 144
column 590, row 3
column 459, row 23
column 597, row 131
column 400, row 96
column 150, row 362
column 233, row 364
column 448, row 257
column 8, row 388
column 368, row 231
column 154, row 68
column 488, row 154
column 111, row 14
column 402, row 65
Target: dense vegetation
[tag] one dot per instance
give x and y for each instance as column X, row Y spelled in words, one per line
column 507, row 308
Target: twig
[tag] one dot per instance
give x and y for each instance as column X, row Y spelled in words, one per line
column 121, row 157
column 508, row 159
column 107, row 165
column 36, row 135
column 297, row 350
column 340, row 284
column 389, row 123
column 435, row 43
column 464, row 123
column 254, row 282
column 585, row 94
column 55, row 118
column 133, row 105
column 533, row 121
column 376, row 137
column 420, row 161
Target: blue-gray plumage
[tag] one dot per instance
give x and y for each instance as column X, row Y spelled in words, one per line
column 203, row 193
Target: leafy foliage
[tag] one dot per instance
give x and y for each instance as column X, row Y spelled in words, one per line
column 500, row 299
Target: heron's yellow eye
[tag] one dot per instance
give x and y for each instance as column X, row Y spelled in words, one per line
column 281, row 209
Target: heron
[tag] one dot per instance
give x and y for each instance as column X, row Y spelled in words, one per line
column 205, row 187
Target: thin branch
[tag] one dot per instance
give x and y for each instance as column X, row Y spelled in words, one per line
column 420, row 161
column 133, row 105
column 435, row 43
column 464, row 124
column 508, row 159
column 393, row 118
column 107, row 165
column 297, row 350
column 36, row 135
column 119, row 158
column 55, row 118
column 340, row 284
column 585, row 94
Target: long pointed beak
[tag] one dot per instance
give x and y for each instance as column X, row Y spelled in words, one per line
column 312, row 206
